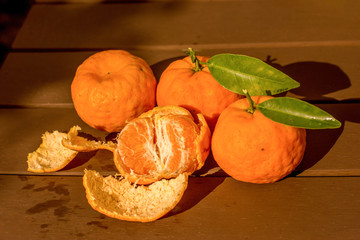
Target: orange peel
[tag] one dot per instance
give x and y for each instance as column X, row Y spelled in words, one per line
column 123, row 200
column 80, row 144
column 51, row 155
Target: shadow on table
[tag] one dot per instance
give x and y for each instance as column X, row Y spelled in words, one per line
column 12, row 15
column 316, row 80
column 82, row 157
column 158, row 68
column 198, row 189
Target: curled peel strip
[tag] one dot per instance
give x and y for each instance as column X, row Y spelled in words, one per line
column 51, row 155
column 80, row 144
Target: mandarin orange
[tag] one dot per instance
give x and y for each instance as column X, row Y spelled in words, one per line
column 162, row 143
column 112, row 87
column 253, row 148
column 188, row 84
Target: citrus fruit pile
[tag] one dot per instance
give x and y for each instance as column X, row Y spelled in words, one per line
column 165, row 130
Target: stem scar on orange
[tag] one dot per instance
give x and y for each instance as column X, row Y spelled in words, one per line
column 189, row 84
column 252, row 148
column 112, row 87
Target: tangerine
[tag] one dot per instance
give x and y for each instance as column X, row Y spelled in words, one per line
column 162, row 143
column 253, row 148
column 111, row 87
column 189, row 84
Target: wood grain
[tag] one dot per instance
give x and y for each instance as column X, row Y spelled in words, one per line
column 212, row 208
column 184, row 23
column 44, row 78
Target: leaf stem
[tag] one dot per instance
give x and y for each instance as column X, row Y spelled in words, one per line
column 198, row 65
column 251, row 108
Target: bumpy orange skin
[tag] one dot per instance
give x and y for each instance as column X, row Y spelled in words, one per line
column 111, row 87
column 198, row 91
column 162, row 143
column 253, row 148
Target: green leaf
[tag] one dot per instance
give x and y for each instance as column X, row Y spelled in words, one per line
column 297, row 113
column 238, row 72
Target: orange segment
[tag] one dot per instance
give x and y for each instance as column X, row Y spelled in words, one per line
column 136, row 143
column 164, row 145
column 176, row 136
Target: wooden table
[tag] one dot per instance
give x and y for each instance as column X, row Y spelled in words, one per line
column 315, row 42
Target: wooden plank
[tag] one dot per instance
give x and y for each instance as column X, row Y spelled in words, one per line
column 325, row 73
column 329, row 152
column 181, row 23
column 38, row 78
column 77, row 1
column 326, row 149
column 212, row 208
column 118, row 1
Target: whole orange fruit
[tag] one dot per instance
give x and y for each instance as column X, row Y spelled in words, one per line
column 253, row 148
column 111, row 87
column 185, row 83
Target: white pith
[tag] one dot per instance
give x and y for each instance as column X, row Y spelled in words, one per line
column 164, row 144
